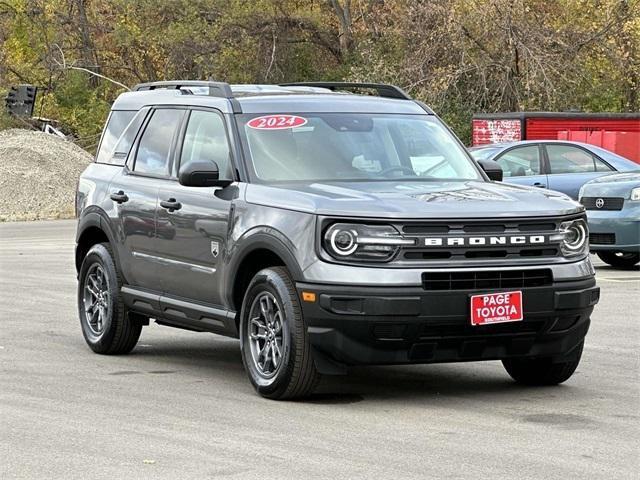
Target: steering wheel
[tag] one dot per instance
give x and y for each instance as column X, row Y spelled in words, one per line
column 397, row 167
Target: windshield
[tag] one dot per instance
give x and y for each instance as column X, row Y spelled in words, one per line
column 352, row 147
column 482, row 153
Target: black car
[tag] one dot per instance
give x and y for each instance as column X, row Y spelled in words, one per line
column 324, row 229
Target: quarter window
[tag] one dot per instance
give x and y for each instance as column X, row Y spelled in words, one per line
column 601, row 166
column 116, row 125
column 521, row 161
column 121, row 150
column 206, row 141
column 155, row 145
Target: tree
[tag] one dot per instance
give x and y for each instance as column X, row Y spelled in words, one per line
column 460, row 56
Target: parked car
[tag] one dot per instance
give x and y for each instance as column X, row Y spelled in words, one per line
column 613, row 212
column 356, row 231
column 557, row 165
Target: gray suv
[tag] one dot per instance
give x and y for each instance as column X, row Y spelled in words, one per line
column 324, row 229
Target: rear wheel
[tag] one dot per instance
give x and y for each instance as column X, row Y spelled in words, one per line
column 106, row 325
column 620, row 259
column 543, row 371
column 275, row 347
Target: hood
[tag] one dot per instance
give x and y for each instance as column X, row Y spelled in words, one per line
column 617, row 177
column 617, row 185
column 429, row 199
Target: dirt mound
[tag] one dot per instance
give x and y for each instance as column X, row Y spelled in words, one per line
column 38, row 175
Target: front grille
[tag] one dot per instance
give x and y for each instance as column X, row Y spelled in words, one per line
column 602, row 203
column 455, row 240
column 602, row 238
column 475, row 226
column 486, row 279
column 439, row 331
column 389, row 331
column 479, row 254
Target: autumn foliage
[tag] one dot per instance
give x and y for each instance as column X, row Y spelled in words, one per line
column 459, row 56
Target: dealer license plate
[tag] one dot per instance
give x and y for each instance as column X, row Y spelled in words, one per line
column 490, row 308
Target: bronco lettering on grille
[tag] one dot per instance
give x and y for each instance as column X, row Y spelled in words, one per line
column 484, row 241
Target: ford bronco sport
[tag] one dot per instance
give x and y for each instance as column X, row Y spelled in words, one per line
column 324, row 229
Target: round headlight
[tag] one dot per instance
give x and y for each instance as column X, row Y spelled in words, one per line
column 343, row 242
column 575, row 237
column 362, row 242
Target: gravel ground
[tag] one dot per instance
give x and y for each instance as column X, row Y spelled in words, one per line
column 38, row 175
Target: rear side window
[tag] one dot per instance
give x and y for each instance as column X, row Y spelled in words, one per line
column 155, row 145
column 569, row 159
column 116, row 125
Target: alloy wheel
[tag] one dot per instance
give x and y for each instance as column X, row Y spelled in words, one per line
column 96, row 299
column 266, row 339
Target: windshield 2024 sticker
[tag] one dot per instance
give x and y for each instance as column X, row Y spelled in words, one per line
column 276, row 122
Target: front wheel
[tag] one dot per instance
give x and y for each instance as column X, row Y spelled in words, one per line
column 620, row 259
column 543, row 371
column 273, row 339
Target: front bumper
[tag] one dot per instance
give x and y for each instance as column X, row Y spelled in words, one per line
column 622, row 227
column 355, row 325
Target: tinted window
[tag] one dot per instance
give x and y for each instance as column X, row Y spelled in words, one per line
column 155, row 144
column 116, row 124
column 521, row 161
column 206, row 141
column 568, row 159
column 121, row 150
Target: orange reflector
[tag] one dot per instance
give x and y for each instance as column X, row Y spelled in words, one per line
column 308, row 296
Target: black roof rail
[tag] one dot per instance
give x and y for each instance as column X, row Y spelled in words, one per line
column 382, row 89
column 216, row 89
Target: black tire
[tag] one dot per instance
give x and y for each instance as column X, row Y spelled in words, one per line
column 295, row 375
column 543, row 371
column 116, row 333
column 621, row 260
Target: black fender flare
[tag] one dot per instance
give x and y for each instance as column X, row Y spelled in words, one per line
column 94, row 217
column 266, row 238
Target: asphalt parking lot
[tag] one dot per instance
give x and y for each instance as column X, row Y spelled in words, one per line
column 180, row 406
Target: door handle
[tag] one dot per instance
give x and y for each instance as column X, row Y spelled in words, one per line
column 171, row 204
column 539, row 185
column 119, row 197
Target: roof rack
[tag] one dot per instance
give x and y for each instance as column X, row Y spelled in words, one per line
column 216, row 89
column 382, row 89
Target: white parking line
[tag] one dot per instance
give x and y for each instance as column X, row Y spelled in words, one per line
column 619, row 279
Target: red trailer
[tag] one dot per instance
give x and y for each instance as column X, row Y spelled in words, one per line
column 617, row 132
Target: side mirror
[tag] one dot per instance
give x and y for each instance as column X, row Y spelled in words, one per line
column 492, row 169
column 201, row 174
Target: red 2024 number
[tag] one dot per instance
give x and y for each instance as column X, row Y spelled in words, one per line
column 276, row 122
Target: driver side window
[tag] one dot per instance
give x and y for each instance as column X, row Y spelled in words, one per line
column 206, row 141
column 521, row 161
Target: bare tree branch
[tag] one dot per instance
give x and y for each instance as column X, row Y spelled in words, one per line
column 64, row 66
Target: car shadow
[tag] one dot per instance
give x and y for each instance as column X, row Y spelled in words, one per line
column 404, row 383
column 609, row 268
column 422, row 383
